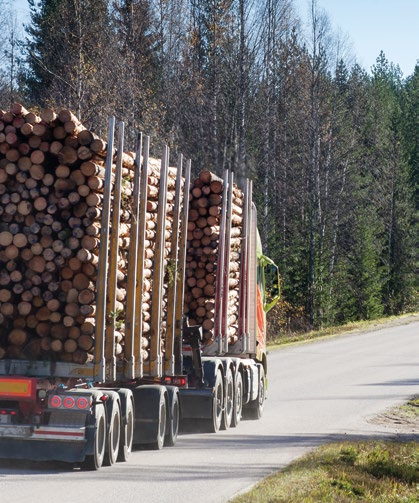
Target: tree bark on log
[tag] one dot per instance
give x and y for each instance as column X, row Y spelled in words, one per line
column 52, row 173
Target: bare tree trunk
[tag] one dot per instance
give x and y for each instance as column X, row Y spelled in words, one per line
column 317, row 59
column 242, row 98
column 79, row 81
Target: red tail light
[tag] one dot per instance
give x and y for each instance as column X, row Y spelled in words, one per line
column 180, row 381
column 55, row 402
column 69, row 402
column 83, row 403
column 8, row 411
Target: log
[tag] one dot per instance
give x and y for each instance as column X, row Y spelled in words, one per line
column 85, row 342
column 82, row 357
column 56, row 345
column 51, row 176
column 18, row 109
column 48, row 115
column 68, row 155
column 70, row 346
column 17, row 337
column 85, row 137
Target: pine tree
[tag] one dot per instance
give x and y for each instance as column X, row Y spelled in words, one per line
column 208, row 61
column 68, row 55
column 394, row 202
column 138, row 67
column 365, row 277
column 410, row 127
column 410, row 142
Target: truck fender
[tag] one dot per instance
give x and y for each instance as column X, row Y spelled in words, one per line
column 235, row 365
column 250, row 376
column 229, row 392
column 112, row 397
column 227, row 363
column 113, row 425
column 174, row 414
column 126, row 400
column 91, row 421
column 210, row 368
column 125, row 395
column 255, row 373
column 171, row 392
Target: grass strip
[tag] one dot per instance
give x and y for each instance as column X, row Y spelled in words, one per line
column 327, row 332
column 376, row 471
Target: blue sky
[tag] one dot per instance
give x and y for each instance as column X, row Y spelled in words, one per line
column 371, row 25
column 375, row 25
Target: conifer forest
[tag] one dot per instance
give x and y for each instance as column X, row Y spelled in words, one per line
column 331, row 147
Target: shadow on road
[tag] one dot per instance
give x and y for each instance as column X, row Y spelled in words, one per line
column 396, row 382
column 142, row 470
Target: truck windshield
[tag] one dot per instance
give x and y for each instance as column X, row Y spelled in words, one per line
column 269, row 282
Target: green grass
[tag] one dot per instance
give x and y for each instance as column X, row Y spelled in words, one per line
column 356, row 326
column 411, row 408
column 376, row 471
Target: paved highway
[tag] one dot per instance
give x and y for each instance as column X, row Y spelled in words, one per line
column 318, row 392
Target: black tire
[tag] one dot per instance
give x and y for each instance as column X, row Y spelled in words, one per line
column 113, row 436
column 254, row 409
column 228, row 401
column 161, row 430
column 214, row 424
column 173, row 419
column 95, row 461
column 127, row 431
column 238, row 400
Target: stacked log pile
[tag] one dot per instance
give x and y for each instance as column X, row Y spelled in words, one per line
column 206, row 199
column 52, row 172
column 150, row 248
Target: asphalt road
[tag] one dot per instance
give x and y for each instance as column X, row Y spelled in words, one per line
column 318, row 392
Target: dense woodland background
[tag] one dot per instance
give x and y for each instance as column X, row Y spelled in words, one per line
column 332, row 148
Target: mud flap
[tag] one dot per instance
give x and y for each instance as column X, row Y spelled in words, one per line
column 196, row 403
column 146, row 407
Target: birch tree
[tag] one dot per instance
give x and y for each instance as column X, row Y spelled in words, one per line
column 10, row 54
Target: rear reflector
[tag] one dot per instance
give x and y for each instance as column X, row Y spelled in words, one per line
column 69, row 434
column 24, row 389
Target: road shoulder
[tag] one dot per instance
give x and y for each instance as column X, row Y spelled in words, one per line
column 402, row 420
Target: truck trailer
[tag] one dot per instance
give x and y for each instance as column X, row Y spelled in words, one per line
column 132, row 298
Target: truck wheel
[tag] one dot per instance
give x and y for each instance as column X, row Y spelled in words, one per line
column 254, row 409
column 94, row 461
column 127, row 432
column 214, row 424
column 114, row 431
column 229, row 401
column 161, row 423
column 172, row 426
column 238, row 400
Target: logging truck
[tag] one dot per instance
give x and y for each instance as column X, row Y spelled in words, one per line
column 132, row 298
